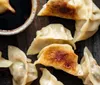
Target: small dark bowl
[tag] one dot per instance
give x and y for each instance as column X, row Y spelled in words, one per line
column 25, row 25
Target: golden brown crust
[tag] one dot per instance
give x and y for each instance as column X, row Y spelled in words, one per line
column 58, row 55
column 60, row 58
column 60, row 8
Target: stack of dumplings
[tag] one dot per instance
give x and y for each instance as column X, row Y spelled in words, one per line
column 26, row 71
column 22, row 69
column 84, row 12
column 61, row 56
column 54, row 45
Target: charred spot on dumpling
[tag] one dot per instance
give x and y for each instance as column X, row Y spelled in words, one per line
column 55, row 54
column 70, row 64
column 60, row 55
column 62, row 8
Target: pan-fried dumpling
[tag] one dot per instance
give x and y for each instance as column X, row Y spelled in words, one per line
column 84, row 12
column 60, row 56
column 53, row 33
column 69, row 9
column 22, row 70
column 5, row 5
column 87, row 28
column 91, row 69
column 48, row 79
column 4, row 63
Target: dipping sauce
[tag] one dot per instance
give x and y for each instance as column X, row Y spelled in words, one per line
column 10, row 21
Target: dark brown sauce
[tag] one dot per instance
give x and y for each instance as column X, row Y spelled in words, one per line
column 9, row 20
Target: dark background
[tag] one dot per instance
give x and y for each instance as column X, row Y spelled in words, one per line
column 24, row 39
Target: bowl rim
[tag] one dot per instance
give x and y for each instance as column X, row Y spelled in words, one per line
column 25, row 25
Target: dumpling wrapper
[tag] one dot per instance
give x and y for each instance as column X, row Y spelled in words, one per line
column 32, row 73
column 87, row 28
column 5, row 5
column 69, row 9
column 48, row 79
column 22, row 70
column 53, row 33
column 4, row 63
column 95, row 12
column 60, row 57
column 91, row 69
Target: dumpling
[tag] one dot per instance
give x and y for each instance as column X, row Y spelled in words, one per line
column 61, row 57
column 84, row 12
column 69, row 9
column 48, row 79
column 22, row 70
column 53, row 33
column 5, row 5
column 87, row 28
column 91, row 69
column 4, row 63
column 19, row 67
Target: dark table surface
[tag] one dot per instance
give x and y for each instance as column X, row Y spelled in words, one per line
column 24, row 39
